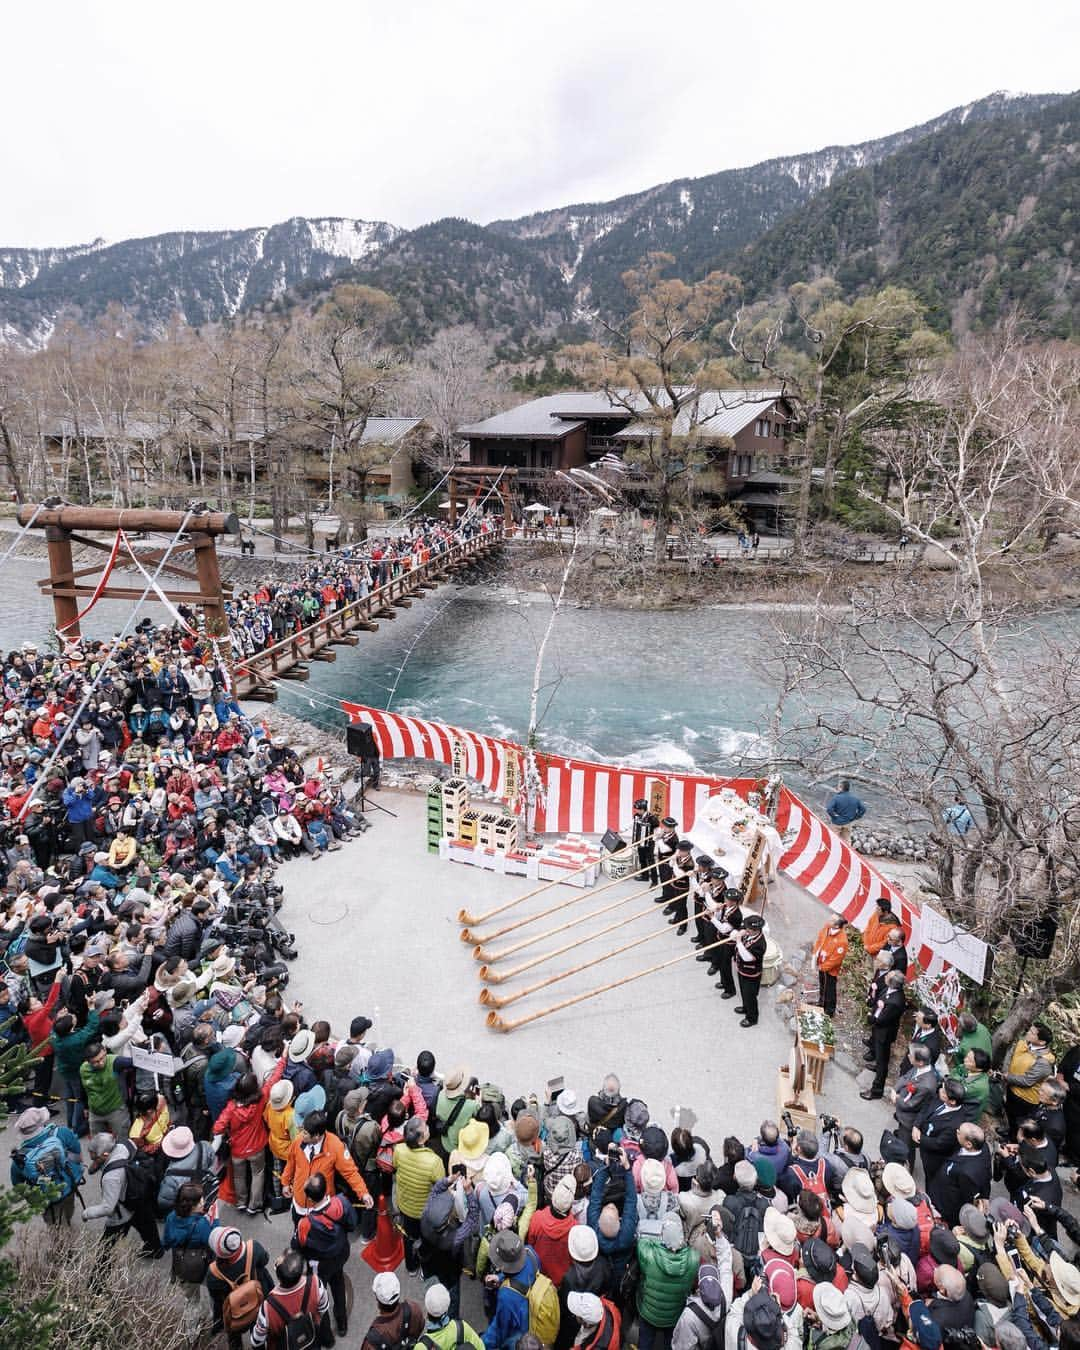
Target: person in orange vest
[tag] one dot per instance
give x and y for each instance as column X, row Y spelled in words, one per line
column 879, row 926
column 830, row 948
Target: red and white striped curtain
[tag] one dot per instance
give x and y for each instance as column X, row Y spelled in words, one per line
column 586, row 798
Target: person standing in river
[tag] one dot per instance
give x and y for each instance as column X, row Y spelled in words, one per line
column 843, row 810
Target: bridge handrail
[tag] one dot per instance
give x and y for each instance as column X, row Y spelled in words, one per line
column 248, row 667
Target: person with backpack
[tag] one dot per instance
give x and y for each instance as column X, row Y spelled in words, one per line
column 416, row 1170
column 668, row 1271
column 322, row 1236
column 589, row 1273
column 295, row 1314
column 243, row 1121
column 701, row 1323
column 47, row 1156
column 599, row 1320
column 129, row 1187
column 441, row 1330
column 235, row 1267
column 807, row 1170
column 99, row 1075
column 281, row 1129
column 454, row 1108
column 550, row 1229
column 515, row 1271
column 836, row 1328
column 747, row 1209
column 187, row 1235
column 449, row 1230
column 398, row 1322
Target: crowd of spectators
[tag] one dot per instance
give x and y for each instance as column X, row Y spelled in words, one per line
column 267, row 615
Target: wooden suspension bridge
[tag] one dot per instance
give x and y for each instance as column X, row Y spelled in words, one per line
column 196, row 532
column 288, row 659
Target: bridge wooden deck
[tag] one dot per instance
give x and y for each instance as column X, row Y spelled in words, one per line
column 254, row 676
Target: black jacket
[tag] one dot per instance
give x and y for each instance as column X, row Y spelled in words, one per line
column 958, row 1182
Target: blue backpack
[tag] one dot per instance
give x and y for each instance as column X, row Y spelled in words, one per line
column 45, row 1161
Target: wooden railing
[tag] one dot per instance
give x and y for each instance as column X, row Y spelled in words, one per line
column 254, row 676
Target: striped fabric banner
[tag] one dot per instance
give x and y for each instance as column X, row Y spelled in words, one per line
column 587, row 798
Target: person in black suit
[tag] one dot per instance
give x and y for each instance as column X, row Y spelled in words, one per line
column 936, row 1132
column 678, row 888
column 964, row 1177
column 926, row 1032
column 915, row 1093
column 884, row 1026
column 1028, row 1178
column 894, row 945
column 642, row 828
column 749, row 962
column 1050, row 1112
column 875, row 990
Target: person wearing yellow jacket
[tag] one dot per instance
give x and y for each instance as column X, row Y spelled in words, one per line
column 1032, row 1060
column 416, row 1170
column 282, row 1130
column 830, row 948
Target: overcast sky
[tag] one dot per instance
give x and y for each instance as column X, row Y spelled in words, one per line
column 125, row 119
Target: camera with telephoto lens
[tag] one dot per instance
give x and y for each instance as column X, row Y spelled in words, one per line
column 828, row 1123
column 789, row 1125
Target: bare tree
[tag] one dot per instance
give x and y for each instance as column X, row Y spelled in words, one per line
column 451, row 383
column 950, row 699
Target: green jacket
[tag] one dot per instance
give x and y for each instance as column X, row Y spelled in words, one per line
column 102, row 1087
column 979, row 1039
column 416, row 1170
column 446, row 1337
column 69, row 1050
column 444, row 1108
column 976, row 1091
column 666, row 1280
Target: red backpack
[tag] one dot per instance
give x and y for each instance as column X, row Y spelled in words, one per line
column 927, row 1221
column 815, row 1180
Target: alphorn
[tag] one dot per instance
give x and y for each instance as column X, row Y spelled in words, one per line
column 467, row 935
column 497, row 1023
column 489, row 976
column 494, row 1001
column 481, row 955
column 465, row 917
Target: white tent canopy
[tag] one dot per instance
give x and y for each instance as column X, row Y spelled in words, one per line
column 605, row 513
column 537, row 506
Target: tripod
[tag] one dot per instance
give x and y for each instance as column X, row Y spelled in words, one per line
column 358, row 776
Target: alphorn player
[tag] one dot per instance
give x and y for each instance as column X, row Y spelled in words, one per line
column 701, row 899
column 667, row 841
column 749, row 963
column 727, row 920
column 643, row 827
column 678, row 888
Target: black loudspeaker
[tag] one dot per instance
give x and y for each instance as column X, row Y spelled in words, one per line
column 612, row 842
column 360, row 741
column 1035, row 937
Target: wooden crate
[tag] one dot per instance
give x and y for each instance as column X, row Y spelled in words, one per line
column 806, row 1116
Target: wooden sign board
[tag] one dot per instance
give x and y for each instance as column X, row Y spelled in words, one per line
column 658, row 799
column 459, row 759
column 751, row 876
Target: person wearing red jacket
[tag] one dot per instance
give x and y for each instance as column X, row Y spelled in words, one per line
column 37, row 1019
column 549, row 1232
column 243, row 1121
column 830, row 948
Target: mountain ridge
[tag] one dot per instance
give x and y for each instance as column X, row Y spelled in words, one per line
column 539, row 272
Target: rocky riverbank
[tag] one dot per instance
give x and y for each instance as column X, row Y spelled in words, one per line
column 599, row 578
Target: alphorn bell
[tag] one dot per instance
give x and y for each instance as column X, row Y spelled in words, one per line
column 465, row 917
column 482, row 955
column 497, row 1023
column 491, row 1000
column 467, row 935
